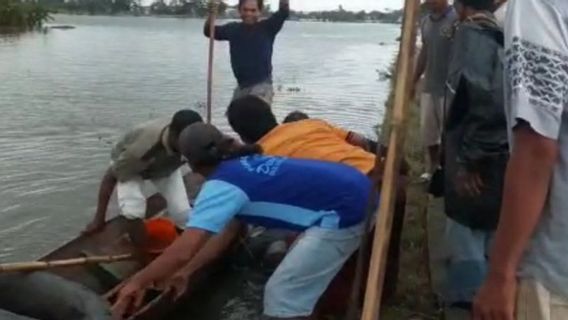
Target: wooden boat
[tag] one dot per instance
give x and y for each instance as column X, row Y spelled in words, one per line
column 106, row 279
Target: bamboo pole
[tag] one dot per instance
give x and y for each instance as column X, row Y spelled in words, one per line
column 403, row 84
column 44, row 265
column 212, row 18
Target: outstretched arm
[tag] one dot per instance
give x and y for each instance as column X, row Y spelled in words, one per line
column 106, row 189
column 276, row 21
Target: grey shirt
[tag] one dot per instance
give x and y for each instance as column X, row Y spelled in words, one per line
column 537, row 92
column 144, row 152
column 436, row 37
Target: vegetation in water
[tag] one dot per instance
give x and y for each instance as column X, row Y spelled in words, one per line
column 22, row 15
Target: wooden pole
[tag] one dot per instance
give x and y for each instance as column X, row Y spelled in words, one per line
column 212, row 17
column 403, row 84
column 44, row 265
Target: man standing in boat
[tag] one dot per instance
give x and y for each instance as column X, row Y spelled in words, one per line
column 252, row 43
column 147, row 153
column 324, row 200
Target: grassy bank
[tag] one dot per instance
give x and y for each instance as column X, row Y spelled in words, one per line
column 414, row 298
column 17, row 15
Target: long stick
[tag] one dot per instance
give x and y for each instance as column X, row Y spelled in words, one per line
column 212, row 17
column 373, row 295
column 44, row 265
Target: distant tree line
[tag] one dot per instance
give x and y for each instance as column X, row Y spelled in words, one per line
column 192, row 8
column 199, row 8
column 342, row 15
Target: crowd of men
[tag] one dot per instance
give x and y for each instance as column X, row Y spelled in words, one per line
column 492, row 119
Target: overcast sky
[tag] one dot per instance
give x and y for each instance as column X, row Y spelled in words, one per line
column 308, row 5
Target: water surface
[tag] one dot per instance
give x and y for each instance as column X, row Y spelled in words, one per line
column 66, row 95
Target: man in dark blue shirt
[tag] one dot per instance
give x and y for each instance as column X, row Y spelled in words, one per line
column 251, row 43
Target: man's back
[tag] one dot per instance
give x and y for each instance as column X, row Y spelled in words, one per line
column 436, row 35
column 143, row 151
column 283, row 193
column 316, row 139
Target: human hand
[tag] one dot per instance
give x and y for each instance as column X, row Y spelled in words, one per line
column 176, row 285
column 93, row 227
column 128, row 300
column 468, row 183
column 496, row 299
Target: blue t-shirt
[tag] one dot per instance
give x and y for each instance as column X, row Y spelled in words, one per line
column 282, row 193
column 251, row 47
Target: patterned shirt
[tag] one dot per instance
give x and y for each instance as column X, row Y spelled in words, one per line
column 537, row 89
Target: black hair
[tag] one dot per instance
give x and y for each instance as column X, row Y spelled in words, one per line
column 295, row 116
column 488, row 5
column 260, row 4
column 181, row 120
column 226, row 149
column 251, row 118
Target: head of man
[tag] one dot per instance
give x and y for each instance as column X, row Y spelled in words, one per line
column 181, row 120
column 467, row 8
column 436, row 6
column 251, row 118
column 250, row 10
column 205, row 147
column 295, row 116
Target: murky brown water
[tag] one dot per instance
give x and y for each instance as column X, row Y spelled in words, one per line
column 67, row 94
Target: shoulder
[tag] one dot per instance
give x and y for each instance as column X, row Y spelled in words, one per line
column 452, row 15
column 143, row 131
column 312, row 123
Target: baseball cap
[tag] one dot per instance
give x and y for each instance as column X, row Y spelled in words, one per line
column 199, row 144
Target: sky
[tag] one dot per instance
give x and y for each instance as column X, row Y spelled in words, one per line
column 354, row 5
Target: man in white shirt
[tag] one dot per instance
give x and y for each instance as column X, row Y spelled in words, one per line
column 528, row 274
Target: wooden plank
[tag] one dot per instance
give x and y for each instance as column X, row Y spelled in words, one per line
column 372, row 303
column 212, row 17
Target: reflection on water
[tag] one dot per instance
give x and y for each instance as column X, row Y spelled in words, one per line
column 67, row 94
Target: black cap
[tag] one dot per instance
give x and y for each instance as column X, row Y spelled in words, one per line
column 199, row 144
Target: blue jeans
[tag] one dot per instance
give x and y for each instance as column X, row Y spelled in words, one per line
column 468, row 261
column 308, row 269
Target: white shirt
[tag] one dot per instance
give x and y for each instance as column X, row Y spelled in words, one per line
column 536, row 44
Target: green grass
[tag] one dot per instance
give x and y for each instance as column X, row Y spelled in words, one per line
column 414, row 298
column 22, row 15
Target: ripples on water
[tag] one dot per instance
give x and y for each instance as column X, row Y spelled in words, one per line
column 67, row 94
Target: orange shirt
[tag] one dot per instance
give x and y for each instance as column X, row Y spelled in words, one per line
column 317, row 140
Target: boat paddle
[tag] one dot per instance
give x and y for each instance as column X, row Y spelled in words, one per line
column 46, row 265
column 212, row 17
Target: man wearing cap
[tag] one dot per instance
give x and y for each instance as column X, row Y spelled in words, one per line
column 147, row 153
column 326, row 201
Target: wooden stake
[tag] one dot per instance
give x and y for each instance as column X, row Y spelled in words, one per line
column 212, row 17
column 373, row 295
column 45, row 265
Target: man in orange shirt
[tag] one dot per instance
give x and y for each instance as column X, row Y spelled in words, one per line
column 253, row 120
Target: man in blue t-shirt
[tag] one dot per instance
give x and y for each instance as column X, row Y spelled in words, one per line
column 252, row 42
column 326, row 201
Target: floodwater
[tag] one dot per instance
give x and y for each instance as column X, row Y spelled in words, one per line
column 66, row 95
